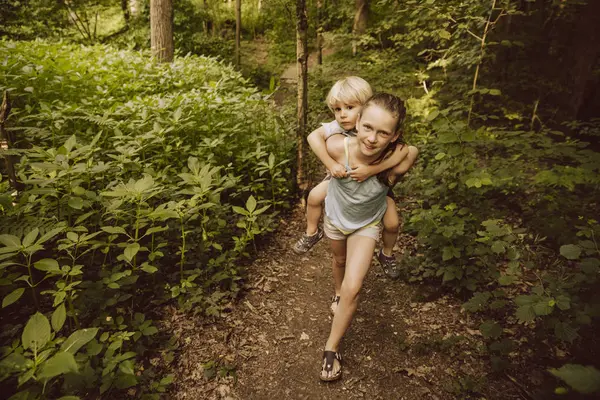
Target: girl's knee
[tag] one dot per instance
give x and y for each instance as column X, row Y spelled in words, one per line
column 314, row 198
column 350, row 290
column 339, row 261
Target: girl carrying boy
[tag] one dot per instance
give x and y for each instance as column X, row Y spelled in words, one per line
column 345, row 99
column 353, row 209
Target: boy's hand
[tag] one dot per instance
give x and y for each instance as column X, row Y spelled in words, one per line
column 338, row 171
column 361, row 172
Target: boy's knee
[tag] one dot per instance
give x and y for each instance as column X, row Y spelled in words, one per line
column 391, row 226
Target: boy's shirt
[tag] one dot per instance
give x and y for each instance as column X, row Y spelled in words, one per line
column 333, row 127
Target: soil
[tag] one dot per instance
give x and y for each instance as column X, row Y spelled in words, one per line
column 406, row 341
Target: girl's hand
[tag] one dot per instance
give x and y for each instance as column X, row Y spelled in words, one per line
column 361, row 172
column 338, row 171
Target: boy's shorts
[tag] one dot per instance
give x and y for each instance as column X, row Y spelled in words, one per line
column 333, row 233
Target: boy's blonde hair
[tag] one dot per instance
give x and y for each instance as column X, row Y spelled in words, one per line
column 350, row 90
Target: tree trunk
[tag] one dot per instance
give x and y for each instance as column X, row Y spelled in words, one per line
column 319, row 32
column 161, row 29
column 360, row 21
column 584, row 52
column 125, row 9
column 302, row 68
column 238, row 30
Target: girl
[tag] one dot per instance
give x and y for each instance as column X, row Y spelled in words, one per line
column 353, row 210
column 345, row 99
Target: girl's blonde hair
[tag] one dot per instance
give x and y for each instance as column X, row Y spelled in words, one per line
column 350, row 90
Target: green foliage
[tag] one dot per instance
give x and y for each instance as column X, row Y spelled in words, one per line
column 584, row 379
column 144, row 183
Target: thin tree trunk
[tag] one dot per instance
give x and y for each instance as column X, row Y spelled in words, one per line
column 6, row 139
column 161, row 29
column 302, row 68
column 319, row 32
column 126, row 11
column 238, row 30
column 360, row 22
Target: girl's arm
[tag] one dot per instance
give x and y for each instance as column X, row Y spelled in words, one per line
column 318, row 144
column 362, row 172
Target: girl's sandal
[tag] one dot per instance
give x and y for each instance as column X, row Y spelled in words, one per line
column 328, row 360
column 335, row 302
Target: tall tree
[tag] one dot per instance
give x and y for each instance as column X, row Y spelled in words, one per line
column 238, row 29
column 319, row 32
column 161, row 29
column 302, row 68
column 360, row 21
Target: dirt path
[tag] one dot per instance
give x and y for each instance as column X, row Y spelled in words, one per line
column 400, row 345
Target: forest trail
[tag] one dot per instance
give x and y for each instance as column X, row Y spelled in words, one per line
column 404, row 343
column 401, row 345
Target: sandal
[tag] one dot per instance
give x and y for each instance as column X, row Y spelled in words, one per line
column 328, row 360
column 335, row 302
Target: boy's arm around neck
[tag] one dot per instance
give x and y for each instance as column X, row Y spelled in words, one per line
column 407, row 162
column 320, row 146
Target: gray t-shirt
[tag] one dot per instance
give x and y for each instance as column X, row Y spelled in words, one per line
column 333, row 127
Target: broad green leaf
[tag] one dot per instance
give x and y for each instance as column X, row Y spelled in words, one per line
column 570, row 251
column 15, row 362
column 525, row 313
column 114, row 230
column 239, row 210
column 584, row 379
column 251, row 204
column 76, row 203
column 61, row 363
column 498, row 247
column 10, row 240
column 70, row 398
column 565, row 332
column 36, row 333
column 440, row 156
column 543, row 307
column 30, row 237
column 490, row 329
column 433, row 115
column 47, row 264
column 12, row 297
column 495, row 92
column 59, row 316
column 50, row 234
column 77, row 339
column 563, row 302
column 131, row 250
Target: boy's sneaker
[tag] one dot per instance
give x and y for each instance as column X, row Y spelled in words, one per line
column 306, row 242
column 389, row 265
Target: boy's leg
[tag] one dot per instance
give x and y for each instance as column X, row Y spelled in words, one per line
column 391, row 225
column 314, row 207
column 313, row 213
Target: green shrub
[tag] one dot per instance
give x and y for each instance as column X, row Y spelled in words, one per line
column 144, row 182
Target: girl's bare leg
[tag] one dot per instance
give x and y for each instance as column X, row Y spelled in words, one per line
column 391, row 227
column 338, row 267
column 359, row 250
column 314, row 207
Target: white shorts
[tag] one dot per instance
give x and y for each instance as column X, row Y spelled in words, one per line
column 333, row 233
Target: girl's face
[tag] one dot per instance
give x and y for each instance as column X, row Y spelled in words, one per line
column 375, row 130
column 346, row 114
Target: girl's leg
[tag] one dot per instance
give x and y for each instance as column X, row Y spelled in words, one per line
column 358, row 260
column 314, row 207
column 338, row 267
column 391, row 226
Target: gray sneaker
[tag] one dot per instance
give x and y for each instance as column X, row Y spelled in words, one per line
column 306, row 242
column 389, row 265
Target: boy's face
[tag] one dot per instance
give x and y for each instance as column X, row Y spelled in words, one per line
column 346, row 114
